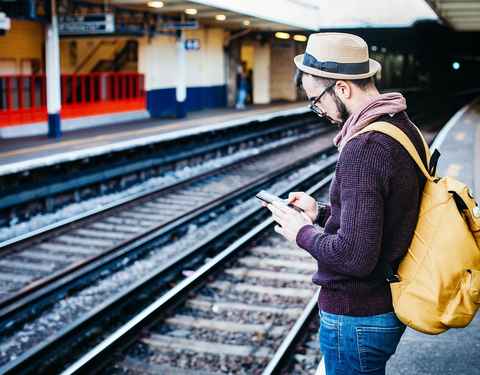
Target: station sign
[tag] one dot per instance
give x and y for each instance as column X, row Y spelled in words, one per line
column 90, row 24
column 22, row 9
column 186, row 25
column 4, row 22
column 192, row 44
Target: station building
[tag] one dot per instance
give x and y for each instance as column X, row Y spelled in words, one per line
column 131, row 60
column 93, row 62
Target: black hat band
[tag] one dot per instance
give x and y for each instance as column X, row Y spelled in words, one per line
column 334, row 67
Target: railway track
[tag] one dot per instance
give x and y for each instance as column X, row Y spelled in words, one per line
column 243, row 312
column 308, row 151
column 234, row 323
column 30, row 264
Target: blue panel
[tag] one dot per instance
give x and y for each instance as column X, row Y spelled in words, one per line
column 162, row 102
column 54, row 127
column 181, row 110
column 206, row 97
column 217, row 97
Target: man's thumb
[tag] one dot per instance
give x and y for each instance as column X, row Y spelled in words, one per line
column 292, row 197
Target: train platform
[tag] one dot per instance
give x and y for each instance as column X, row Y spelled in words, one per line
column 28, row 153
column 455, row 351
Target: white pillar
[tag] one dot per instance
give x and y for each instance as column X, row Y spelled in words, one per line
column 261, row 74
column 282, row 84
column 52, row 57
column 181, row 87
column 157, row 58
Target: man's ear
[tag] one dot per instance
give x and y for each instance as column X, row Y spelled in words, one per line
column 343, row 89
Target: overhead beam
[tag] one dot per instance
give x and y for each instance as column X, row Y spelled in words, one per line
column 454, row 6
column 458, row 15
column 461, row 13
column 434, row 5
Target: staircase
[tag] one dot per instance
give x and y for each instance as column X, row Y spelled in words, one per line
column 124, row 60
column 110, row 56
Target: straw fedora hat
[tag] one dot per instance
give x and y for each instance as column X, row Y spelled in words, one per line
column 337, row 56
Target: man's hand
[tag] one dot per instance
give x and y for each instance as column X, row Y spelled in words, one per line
column 305, row 202
column 290, row 220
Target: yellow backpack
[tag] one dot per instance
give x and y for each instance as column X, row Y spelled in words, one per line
column 437, row 285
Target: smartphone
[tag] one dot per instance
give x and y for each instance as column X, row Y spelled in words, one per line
column 269, row 198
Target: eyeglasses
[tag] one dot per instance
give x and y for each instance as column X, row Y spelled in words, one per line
column 315, row 99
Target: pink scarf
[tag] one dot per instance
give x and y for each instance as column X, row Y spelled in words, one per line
column 382, row 104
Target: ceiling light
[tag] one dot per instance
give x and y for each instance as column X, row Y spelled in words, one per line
column 300, row 38
column 191, row 11
column 246, row 23
column 456, row 65
column 282, row 35
column 220, row 17
column 155, row 4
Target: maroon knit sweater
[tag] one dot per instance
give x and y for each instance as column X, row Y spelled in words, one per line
column 374, row 204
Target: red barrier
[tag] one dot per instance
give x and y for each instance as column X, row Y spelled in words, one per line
column 23, row 97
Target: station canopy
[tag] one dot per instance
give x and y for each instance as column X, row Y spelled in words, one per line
column 313, row 15
column 461, row 15
column 232, row 14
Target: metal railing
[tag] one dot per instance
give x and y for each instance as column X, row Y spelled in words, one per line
column 23, row 97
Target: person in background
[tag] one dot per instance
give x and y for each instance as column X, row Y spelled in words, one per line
column 374, row 205
column 241, row 87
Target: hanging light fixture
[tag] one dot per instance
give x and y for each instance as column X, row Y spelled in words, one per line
column 300, row 38
column 282, row 35
column 155, row 4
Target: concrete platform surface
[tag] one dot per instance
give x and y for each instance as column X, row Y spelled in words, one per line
column 19, row 154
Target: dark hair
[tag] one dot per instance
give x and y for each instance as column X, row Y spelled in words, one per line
column 361, row 83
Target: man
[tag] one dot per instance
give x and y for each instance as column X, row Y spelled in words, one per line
column 374, row 203
column 242, row 86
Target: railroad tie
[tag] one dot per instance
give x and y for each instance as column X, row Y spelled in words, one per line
column 225, row 286
column 251, row 261
column 218, row 307
column 228, row 326
column 243, row 272
column 138, row 366
column 167, row 342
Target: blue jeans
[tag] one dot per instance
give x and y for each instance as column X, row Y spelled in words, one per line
column 358, row 344
column 241, row 97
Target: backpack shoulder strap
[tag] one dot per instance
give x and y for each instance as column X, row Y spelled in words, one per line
column 402, row 138
column 425, row 145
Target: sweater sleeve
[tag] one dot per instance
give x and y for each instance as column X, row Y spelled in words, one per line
column 364, row 177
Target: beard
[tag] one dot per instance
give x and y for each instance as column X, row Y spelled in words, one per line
column 342, row 111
